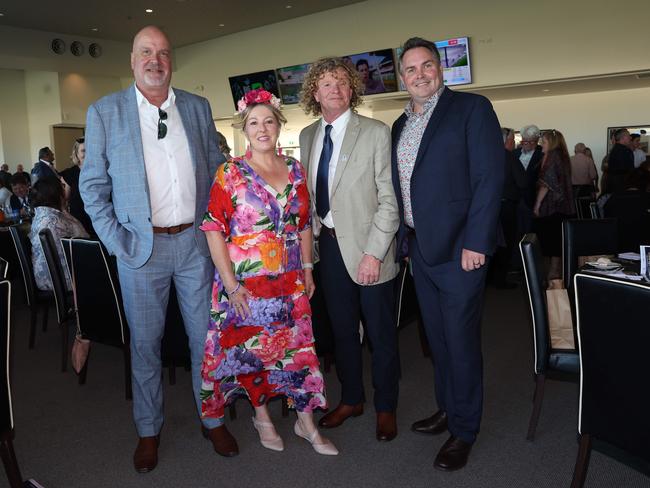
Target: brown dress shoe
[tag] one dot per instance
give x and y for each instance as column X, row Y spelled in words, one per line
column 337, row 416
column 386, row 426
column 436, row 424
column 452, row 455
column 145, row 457
column 223, row 442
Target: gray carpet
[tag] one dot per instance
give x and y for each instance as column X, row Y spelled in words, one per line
column 70, row 436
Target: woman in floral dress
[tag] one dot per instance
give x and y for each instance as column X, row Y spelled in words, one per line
column 260, row 341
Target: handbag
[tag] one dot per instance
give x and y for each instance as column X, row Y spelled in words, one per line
column 81, row 346
column 560, row 322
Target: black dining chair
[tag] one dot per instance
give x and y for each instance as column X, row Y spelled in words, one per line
column 9, row 459
column 613, row 332
column 4, row 269
column 585, row 238
column 546, row 359
column 98, row 300
column 65, row 310
column 8, row 253
column 583, row 207
column 35, row 299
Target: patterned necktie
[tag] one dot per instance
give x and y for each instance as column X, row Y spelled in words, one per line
column 322, row 178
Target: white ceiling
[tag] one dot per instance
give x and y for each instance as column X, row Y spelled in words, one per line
column 185, row 21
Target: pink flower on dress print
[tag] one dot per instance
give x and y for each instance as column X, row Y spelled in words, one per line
column 302, row 360
column 232, row 177
column 274, row 346
column 245, row 217
column 316, row 401
column 213, row 405
column 303, row 334
column 313, row 384
column 240, row 253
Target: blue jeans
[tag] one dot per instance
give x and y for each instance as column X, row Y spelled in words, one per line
column 145, row 293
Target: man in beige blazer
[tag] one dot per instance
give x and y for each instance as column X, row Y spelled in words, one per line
column 347, row 158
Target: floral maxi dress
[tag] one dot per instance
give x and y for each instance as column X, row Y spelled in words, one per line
column 271, row 352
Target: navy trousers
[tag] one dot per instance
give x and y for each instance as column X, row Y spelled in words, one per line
column 451, row 302
column 346, row 303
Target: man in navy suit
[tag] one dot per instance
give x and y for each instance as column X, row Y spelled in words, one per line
column 448, row 169
column 44, row 167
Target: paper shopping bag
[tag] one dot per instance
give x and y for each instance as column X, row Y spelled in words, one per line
column 559, row 316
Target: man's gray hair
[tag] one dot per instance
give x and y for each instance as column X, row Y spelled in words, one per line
column 580, row 148
column 529, row 132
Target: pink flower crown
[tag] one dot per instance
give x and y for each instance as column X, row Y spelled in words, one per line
column 258, row 96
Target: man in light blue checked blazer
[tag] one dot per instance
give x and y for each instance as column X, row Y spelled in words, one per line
column 151, row 153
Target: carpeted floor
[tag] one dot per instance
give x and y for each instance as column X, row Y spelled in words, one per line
column 69, row 436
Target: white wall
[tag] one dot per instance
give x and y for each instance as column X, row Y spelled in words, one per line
column 78, row 91
column 13, row 117
column 510, row 41
column 581, row 118
column 43, row 109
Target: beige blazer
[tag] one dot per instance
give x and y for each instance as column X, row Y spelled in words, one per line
column 363, row 204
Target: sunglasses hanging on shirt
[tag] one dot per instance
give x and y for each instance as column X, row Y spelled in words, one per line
column 162, row 128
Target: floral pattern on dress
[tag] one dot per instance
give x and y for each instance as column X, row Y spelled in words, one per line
column 272, row 352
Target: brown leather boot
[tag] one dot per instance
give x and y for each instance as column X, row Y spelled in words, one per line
column 337, row 416
column 145, row 457
column 223, row 442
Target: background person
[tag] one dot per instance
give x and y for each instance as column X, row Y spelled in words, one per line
column 49, row 201
column 71, row 177
column 554, row 202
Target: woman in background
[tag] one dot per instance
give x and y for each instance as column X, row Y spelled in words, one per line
column 71, row 177
column 554, row 201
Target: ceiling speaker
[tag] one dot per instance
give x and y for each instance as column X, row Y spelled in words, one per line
column 58, row 46
column 95, row 50
column 77, row 48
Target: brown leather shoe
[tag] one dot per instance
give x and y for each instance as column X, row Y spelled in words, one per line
column 145, row 457
column 337, row 416
column 452, row 455
column 436, row 424
column 223, row 442
column 386, row 426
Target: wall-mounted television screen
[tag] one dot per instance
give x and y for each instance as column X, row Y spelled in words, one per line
column 242, row 84
column 454, row 57
column 290, row 82
column 377, row 70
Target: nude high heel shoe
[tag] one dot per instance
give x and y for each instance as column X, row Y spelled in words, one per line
column 325, row 447
column 273, row 444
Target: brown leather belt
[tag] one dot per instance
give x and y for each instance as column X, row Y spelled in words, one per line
column 329, row 230
column 174, row 229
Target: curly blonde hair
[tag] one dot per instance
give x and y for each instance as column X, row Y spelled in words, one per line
column 318, row 69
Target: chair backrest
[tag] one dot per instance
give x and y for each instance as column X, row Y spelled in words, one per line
column 630, row 208
column 586, row 238
column 24, row 251
column 583, row 204
column 614, row 333
column 594, row 210
column 6, row 410
column 4, row 269
column 8, row 253
column 64, row 307
column 98, row 298
column 531, row 257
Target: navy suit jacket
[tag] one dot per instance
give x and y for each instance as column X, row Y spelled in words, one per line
column 532, row 174
column 42, row 170
column 457, row 180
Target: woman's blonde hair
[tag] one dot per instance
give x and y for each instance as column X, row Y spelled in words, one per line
column 318, row 69
column 75, row 150
column 242, row 117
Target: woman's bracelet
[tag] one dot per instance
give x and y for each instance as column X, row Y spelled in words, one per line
column 307, row 265
column 235, row 290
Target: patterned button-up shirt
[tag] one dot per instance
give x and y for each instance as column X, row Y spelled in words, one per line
column 407, row 148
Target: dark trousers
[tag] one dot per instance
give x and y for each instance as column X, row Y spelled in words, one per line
column 346, row 303
column 503, row 255
column 451, row 304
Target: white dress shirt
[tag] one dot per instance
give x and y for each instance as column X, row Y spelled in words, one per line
column 525, row 157
column 337, row 134
column 168, row 164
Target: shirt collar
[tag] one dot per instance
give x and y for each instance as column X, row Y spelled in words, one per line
column 339, row 123
column 46, row 162
column 142, row 100
column 428, row 105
